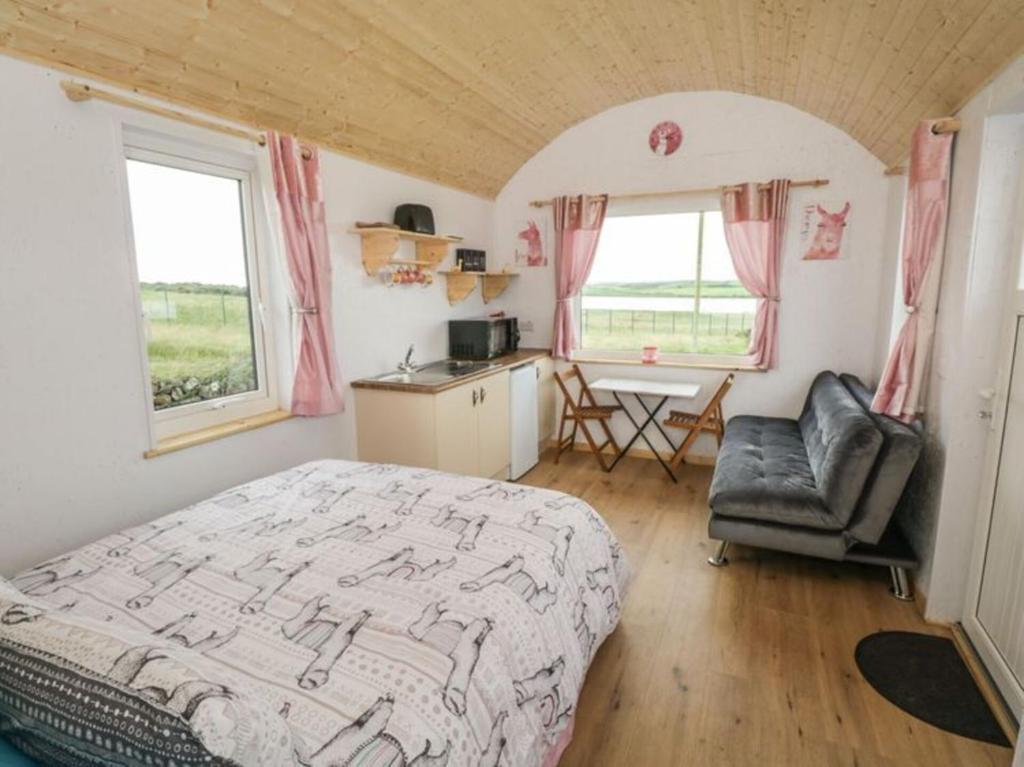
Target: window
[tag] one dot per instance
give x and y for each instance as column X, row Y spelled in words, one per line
column 664, row 277
column 199, row 283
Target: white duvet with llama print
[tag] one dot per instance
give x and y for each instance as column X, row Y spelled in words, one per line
column 391, row 615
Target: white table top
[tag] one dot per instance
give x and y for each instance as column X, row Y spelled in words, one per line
column 642, row 386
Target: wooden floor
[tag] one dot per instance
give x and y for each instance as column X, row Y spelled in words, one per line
column 751, row 664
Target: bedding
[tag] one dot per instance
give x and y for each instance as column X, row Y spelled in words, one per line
column 389, row 615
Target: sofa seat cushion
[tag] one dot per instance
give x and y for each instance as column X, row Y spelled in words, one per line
column 763, row 473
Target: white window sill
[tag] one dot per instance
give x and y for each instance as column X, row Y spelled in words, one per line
column 595, row 358
column 211, row 433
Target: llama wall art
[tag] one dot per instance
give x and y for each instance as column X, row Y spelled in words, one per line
column 821, row 233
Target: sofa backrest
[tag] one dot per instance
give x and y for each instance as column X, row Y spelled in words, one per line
column 901, row 448
column 842, row 443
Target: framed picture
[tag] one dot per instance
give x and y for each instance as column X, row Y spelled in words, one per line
column 532, row 242
column 823, row 230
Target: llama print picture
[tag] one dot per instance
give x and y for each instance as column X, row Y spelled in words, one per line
column 530, row 241
column 823, row 234
column 665, row 138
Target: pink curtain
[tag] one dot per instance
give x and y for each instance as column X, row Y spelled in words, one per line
column 578, row 223
column 755, row 222
column 317, row 386
column 924, row 225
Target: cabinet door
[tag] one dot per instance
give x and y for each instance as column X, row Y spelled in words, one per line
column 456, row 423
column 492, row 426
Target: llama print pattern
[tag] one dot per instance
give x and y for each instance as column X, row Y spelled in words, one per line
column 407, row 498
column 558, row 537
column 501, row 491
column 175, row 632
column 399, row 565
column 45, row 579
column 327, row 638
column 163, row 573
column 600, row 581
column 466, row 526
column 368, row 597
column 140, row 536
column 183, row 700
column 352, row 531
column 367, row 741
column 543, row 692
column 518, row 581
column 585, row 635
column 267, row 578
column 460, row 640
column 326, row 496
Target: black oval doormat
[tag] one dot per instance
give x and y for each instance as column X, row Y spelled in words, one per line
column 926, row 677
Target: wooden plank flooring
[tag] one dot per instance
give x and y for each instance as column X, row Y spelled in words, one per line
column 751, row 664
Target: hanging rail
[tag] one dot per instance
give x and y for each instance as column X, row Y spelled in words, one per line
column 813, row 182
column 943, row 125
column 81, row 92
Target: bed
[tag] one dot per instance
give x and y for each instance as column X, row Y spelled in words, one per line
column 338, row 613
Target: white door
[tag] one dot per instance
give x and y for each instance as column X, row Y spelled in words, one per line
column 994, row 614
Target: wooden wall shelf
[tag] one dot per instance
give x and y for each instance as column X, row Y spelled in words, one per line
column 381, row 243
column 461, row 284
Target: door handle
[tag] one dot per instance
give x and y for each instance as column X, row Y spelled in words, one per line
column 474, row 397
column 483, row 393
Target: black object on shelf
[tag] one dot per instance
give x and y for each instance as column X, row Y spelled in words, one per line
column 470, row 260
column 411, row 217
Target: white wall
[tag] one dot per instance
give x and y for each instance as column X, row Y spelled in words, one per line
column 830, row 310
column 978, row 265
column 73, row 422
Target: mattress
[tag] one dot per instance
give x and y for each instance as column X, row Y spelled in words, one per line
column 391, row 615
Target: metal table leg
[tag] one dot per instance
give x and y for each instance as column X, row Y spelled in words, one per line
column 640, row 431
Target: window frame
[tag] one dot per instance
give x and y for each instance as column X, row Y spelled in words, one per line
column 141, row 143
column 682, row 203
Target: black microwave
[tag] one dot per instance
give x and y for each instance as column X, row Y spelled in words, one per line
column 482, row 338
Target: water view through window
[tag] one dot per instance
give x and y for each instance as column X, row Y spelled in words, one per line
column 666, row 280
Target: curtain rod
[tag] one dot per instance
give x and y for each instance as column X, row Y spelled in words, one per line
column 812, row 182
column 81, row 92
column 942, row 125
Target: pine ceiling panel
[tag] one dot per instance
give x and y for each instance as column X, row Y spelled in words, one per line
column 464, row 93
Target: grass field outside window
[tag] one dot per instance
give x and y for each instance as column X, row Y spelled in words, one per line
column 665, row 280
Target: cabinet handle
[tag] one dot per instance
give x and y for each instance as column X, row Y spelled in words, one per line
column 483, row 393
column 474, row 397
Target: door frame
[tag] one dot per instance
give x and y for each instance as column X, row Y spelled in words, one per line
column 1012, row 328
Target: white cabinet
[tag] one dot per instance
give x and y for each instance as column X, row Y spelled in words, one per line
column 493, row 446
column 463, row 430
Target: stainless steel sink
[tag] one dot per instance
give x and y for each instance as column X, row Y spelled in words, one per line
column 436, row 372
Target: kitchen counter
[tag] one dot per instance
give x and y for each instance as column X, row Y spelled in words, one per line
column 498, row 364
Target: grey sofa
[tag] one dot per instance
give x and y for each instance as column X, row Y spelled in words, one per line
column 824, row 485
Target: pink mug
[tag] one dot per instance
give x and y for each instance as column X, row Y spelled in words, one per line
column 650, row 355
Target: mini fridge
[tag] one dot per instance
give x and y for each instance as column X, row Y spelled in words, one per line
column 523, row 419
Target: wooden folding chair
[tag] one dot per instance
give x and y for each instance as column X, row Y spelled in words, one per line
column 710, row 420
column 578, row 411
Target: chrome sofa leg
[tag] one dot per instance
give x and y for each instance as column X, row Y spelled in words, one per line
column 718, row 558
column 901, row 584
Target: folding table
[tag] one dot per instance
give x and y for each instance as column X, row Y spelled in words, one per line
column 641, row 388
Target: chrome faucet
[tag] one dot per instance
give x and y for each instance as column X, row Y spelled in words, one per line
column 408, row 366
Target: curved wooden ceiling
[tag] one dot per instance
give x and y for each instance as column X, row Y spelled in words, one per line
column 465, row 92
